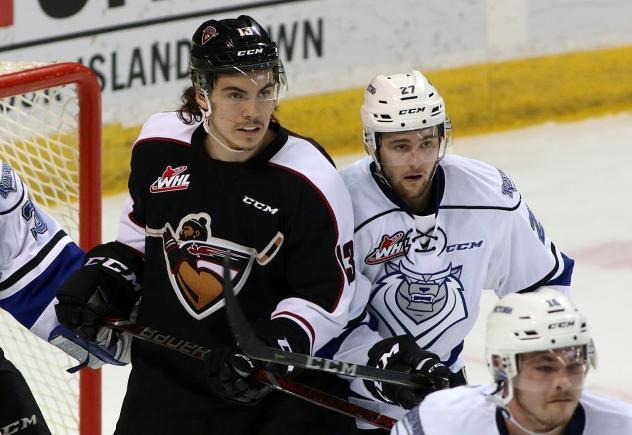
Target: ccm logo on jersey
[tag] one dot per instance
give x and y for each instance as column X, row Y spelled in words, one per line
column 20, row 425
column 171, row 179
column 464, row 246
column 261, row 206
column 390, row 247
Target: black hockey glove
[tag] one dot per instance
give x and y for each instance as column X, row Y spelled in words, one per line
column 402, row 354
column 105, row 286
column 230, row 371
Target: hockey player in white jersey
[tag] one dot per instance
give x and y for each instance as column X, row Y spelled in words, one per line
column 431, row 232
column 36, row 255
column 539, row 350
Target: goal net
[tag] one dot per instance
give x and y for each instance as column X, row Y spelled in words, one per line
column 50, row 123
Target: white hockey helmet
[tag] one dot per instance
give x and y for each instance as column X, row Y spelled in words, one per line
column 402, row 102
column 531, row 322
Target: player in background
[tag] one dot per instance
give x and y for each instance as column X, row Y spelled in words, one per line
column 538, row 350
column 219, row 176
column 431, row 232
column 36, row 255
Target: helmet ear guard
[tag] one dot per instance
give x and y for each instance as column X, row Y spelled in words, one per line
column 544, row 320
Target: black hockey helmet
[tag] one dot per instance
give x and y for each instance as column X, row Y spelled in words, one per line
column 230, row 46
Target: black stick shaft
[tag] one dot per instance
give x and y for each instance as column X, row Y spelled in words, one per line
column 279, row 383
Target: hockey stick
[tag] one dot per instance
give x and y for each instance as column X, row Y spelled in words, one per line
column 254, row 348
column 278, row 383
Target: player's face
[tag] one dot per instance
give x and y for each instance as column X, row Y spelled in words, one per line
column 242, row 105
column 186, row 233
column 548, row 387
column 408, row 161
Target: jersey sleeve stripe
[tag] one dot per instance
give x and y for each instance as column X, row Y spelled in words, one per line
column 34, row 262
column 301, row 321
column 31, row 300
column 548, row 276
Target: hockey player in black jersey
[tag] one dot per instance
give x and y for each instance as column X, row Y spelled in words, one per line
column 219, row 177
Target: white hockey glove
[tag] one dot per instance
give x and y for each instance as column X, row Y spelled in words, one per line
column 110, row 347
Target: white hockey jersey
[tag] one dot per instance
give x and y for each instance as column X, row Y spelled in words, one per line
column 36, row 256
column 427, row 273
column 470, row 410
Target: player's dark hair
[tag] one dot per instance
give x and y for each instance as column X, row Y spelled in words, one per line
column 189, row 111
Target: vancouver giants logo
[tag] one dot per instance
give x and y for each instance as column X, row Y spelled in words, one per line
column 170, row 180
column 423, row 305
column 195, row 262
column 390, row 247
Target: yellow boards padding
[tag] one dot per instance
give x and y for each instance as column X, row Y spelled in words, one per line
column 479, row 99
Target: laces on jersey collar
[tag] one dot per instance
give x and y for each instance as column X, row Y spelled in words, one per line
column 429, row 235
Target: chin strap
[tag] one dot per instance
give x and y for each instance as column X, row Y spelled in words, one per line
column 206, row 123
column 510, row 417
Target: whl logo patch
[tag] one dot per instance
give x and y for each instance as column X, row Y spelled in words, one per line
column 389, row 247
column 171, row 179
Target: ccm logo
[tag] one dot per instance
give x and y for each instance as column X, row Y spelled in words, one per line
column 561, row 325
column 250, row 52
column 409, row 111
column 261, row 206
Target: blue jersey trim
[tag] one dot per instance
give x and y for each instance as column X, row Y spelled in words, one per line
column 565, row 277
column 454, row 354
column 333, row 346
column 28, row 304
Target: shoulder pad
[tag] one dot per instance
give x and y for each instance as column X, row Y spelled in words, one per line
column 168, row 127
column 472, row 183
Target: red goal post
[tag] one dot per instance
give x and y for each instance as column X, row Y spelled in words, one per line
column 50, row 133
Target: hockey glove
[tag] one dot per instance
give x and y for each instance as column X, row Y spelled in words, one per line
column 402, row 354
column 229, row 377
column 106, row 286
column 229, row 370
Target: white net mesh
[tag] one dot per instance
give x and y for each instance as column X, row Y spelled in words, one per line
column 39, row 139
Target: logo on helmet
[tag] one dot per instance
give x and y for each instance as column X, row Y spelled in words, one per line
column 209, row 33
column 250, row 52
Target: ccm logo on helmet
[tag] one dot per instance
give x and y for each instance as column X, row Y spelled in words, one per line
column 561, row 325
column 409, row 111
column 250, row 52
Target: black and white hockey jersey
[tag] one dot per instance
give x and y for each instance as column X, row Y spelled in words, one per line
column 285, row 216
